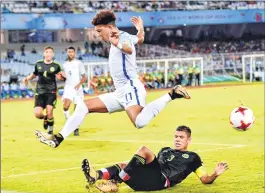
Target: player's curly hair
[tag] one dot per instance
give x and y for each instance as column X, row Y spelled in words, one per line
column 184, row 128
column 104, row 17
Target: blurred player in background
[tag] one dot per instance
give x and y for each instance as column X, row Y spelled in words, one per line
column 45, row 97
column 130, row 94
column 146, row 172
column 75, row 74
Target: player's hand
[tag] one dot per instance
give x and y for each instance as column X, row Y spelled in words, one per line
column 63, row 74
column 137, row 22
column 114, row 38
column 77, row 87
column 220, row 168
column 59, row 76
column 25, row 80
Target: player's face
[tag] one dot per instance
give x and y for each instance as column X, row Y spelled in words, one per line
column 71, row 54
column 48, row 54
column 103, row 32
column 181, row 140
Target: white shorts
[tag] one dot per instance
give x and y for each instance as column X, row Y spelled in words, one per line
column 72, row 94
column 133, row 93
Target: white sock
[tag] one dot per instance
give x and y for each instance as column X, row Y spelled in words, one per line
column 75, row 119
column 66, row 114
column 151, row 110
column 50, row 128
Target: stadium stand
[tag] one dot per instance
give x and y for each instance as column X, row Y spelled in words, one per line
column 84, row 7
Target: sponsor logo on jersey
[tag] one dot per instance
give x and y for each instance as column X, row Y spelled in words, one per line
column 52, row 69
column 186, row 156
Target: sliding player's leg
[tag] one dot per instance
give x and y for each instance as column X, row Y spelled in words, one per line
column 143, row 172
column 108, row 173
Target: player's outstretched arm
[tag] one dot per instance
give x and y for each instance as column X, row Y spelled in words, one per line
column 139, row 25
column 220, row 169
column 30, row 77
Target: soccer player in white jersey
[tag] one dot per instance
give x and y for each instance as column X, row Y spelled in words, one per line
column 75, row 74
column 130, row 93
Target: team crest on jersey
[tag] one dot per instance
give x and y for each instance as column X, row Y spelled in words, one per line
column 39, row 67
column 52, row 69
column 186, row 156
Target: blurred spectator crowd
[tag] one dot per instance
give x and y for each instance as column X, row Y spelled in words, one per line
column 101, row 51
column 152, row 79
column 122, row 6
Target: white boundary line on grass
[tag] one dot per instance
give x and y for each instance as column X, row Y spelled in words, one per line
column 148, row 141
column 103, row 164
column 131, row 141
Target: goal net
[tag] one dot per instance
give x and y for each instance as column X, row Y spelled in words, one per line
column 253, row 67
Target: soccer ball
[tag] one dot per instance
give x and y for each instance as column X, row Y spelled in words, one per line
column 242, row 118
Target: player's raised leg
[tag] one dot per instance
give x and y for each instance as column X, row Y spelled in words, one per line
column 93, row 105
column 76, row 131
column 141, row 116
column 40, row 105
column 38, row 112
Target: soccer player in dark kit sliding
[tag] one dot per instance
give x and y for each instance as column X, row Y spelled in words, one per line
column 148, row 172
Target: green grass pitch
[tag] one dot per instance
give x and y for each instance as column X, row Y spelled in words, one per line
column 29, row 166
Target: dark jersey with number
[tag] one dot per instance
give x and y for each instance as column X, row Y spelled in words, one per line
column 177, row 165
column 46, row 74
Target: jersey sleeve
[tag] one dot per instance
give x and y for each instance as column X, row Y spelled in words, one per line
column 35, row 72
column 82, row 68
column 201, row 171
column 128, row 39
column 59, row 69
column 134, row 39
column 198, row 167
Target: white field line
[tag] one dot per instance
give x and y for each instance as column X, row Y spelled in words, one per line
column 130, row 141
column 104, row 164
column 147, row 141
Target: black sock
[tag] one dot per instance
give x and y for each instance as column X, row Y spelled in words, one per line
column 135, row 161
column 109, row 173
column 51, row 122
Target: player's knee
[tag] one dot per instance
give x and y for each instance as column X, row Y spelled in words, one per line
column 49, row 114
column 66, row 104
column 65, row 108
column 143, row 148
column 81, row 107
column 140, row 121
column 38, row 115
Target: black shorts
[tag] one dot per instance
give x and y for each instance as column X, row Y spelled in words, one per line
column 147, row 177
column 42, row 100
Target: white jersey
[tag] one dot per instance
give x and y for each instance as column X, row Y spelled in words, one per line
column 123, row 68
column 14, row 86
column 73, row 70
